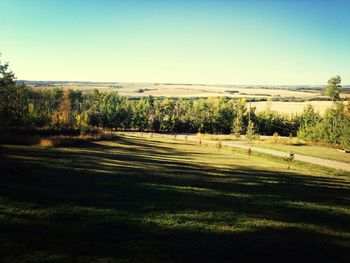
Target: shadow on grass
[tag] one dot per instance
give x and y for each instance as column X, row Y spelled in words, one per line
column 138, row 200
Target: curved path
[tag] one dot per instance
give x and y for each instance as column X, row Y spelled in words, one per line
column 298, row 157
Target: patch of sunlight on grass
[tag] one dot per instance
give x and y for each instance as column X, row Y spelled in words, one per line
column 268, row 223
column 23, row 211
column 200, row 221
column 262, row 222
column 26, row 158
column 104, row 171
column 177, row 187
column 320, row 207
column 228, row 222
column 113, row 164
column 196, row 190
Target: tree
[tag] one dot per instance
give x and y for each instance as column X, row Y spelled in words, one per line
column 309, row 119
column 332, row 123
column 238, row 126
column 345, row 137
column 62, row 116
column 334, row 88
column 250, row 131
column 14, row 101
column 140, row 119
column 7, row 77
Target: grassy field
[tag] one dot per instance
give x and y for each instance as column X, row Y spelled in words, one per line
column 193, row 90
column 292, row 107
column 160, row 200
column 287, row 145
column 306, row 149
column 209, row 91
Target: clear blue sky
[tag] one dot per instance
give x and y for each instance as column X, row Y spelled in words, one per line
column 233, row 42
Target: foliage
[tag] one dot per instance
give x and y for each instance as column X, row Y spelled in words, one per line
column 14, row 100
column 251, row 132
column 331, row 129
column 238, row 124
column 23, row 108
column 334, row 88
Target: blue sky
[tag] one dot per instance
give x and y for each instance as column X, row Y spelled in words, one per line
column 223, row 42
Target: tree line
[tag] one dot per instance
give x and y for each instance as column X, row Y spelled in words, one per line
column 25, row 109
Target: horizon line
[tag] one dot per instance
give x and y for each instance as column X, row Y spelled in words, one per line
column 169, row 83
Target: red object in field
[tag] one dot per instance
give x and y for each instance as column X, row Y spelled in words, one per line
column 250, row 152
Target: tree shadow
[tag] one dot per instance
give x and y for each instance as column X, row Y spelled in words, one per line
column 137, row 200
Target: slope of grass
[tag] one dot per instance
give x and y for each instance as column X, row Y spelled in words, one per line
column 160, row 200
column 286, row 144
column 306, row 149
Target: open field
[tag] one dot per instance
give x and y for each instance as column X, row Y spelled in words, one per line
column 210, row 91
column 160, row 200
column 306, row 149
column 198, row 91
column 291, row 107
column 190, row 90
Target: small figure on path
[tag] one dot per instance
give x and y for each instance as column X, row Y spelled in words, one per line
column 249, row 152
column 289, row 159
column 186, row 139
column 219, row 145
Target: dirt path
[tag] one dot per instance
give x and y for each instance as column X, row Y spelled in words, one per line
column 298, row 157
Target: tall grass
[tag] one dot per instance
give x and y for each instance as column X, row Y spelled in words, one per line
column 54, row 141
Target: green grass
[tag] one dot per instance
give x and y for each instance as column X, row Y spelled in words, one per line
column 142, row 200
column 287, row 145
column 306, row 149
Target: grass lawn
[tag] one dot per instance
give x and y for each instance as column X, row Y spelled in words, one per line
column 143, row 200
column 286, row 145
column 306, row 149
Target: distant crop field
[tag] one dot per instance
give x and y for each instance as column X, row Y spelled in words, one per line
column 291, row 107
column 209, row 91
column 184, row 90
column 197, row 91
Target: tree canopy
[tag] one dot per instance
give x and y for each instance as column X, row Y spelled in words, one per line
column 334, row 88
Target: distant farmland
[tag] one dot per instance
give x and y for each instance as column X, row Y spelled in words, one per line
column 298, row 97
column 211, row 91
column 188, row 90
column 291, row 107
